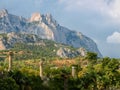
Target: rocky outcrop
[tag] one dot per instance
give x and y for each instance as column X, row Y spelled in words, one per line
column 3, row 13
column 45, row 27
column 65, row 53
column 36, row 17
column 2, row 45
column 82, row 51
column 8, row 40
column 68, row 53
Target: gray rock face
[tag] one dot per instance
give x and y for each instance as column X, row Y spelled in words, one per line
column 68, row 53
column 3, row 13
column 65, row 53
column 8, row 40
column 45, row 27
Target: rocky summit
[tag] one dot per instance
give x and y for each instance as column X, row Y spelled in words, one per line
column 45, row 27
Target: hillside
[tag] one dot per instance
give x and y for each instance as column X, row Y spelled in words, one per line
column 27, row 46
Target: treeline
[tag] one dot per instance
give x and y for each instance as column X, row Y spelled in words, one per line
column 31, row 51
column 16, row 80
column 90, row 73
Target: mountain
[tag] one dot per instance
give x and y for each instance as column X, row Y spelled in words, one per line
column 45, row 27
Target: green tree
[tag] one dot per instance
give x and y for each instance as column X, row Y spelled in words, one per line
column 18, row 77
column 36, row 83
column 92, row 57
column 8, row 84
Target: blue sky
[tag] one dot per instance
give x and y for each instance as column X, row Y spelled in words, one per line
column 98, row 19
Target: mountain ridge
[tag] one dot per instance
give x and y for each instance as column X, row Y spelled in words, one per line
column 45, row 27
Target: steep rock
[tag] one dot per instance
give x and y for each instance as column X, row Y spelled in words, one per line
column 64, row 35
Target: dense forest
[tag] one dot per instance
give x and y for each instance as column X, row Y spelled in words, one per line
column 80, row 73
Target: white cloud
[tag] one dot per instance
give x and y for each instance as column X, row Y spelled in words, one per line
column 114, row 38
column 81, row 4
column 104, row 7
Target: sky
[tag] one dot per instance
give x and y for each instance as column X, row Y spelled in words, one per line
column 97, row 19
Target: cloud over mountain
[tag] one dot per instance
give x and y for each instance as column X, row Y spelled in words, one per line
column 114, row 38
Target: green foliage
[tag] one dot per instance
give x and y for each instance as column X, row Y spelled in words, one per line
column 4, row 36
column 56, row 83
column 102, row 75
column 35, row 82
column 16, row 80
column 35, row 51
column 91, row 56
column 8, row 84
column 105, row 61
column 2, row 58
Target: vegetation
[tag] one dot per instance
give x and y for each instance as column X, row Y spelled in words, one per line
column 103, row 74
column 35, row 50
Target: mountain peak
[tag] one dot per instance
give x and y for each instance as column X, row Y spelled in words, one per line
column 44, row 18
column 48, row 15
column 3, row 13
column 50, row 20
column 36, row 17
